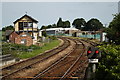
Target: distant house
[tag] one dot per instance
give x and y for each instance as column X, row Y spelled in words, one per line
column 26, row 25
column 24, row 38
column 12, row 37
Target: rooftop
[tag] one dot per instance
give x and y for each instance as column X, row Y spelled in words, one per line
column 57, row 29
column 26, row 16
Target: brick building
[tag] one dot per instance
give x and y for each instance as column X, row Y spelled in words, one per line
column 28, row 25
column 12, row 37
column 24, row 38
column 26, row 31
column 7, row 34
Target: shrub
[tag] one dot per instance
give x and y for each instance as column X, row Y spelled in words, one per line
column 53, row 37
column 109, row 65
column 34, row 47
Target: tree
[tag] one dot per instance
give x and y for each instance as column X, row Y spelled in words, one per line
column 43, row 27
column 54, row 26
column 113, row 31
column 44, row 33
column 8, row 28
column 78, row 23
column 49, row 26
column 60, row 23
column 66, row 24
column 93, row 25
column 3, row 29
column 63, row 24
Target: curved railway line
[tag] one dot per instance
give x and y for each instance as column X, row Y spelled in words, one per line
column 66, row 66
column 66, row 61
column 15, row 67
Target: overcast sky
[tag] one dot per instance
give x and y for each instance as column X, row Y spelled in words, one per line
column 119, row 7
column 49, row 12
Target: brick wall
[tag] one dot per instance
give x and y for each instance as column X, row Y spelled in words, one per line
column 12, row 37
column 22, row 38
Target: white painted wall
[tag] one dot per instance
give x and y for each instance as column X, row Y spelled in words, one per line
column 35, row 38
column 35, row 25
column 40, row 33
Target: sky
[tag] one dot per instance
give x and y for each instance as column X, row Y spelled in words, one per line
column 49, row 12
column 119, row 7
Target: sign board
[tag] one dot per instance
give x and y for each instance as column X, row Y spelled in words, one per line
column 93, row 60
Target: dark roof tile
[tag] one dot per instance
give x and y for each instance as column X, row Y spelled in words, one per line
column 26, row 16
column 8, row 32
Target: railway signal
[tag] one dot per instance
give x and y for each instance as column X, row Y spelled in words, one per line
column 93, row 53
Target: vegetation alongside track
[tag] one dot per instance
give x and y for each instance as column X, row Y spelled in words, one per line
column 23, row 52
column 109, row 65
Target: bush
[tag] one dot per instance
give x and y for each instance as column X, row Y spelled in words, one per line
column 53, row 37
column 8, row 48
column 109, row 65
column 34, row 47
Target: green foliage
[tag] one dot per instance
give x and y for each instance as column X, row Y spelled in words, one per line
column 43, row 27
column 47, row 46
column 49, row 26
column 78, row 23
column 66, row 24
column 21, row 51
column 34, row 47
column 93, row 25
column 109, row 65
column 83, row 33
column 44, row 33
column 8, row 28
column 60, row 23
column 7, row 48
column 53, row 37
column 54, row 26
column 63, row 24
column 113, row 32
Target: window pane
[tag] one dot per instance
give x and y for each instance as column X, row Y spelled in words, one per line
column 25, row 24
column 20, row 25
column 30, row 24
column 23, row 41
column 23, row 35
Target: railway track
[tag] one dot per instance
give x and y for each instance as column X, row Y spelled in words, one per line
column 90, row 42
column 36, row 61
column 15, row 67
column 67, row 65
column 72, row 64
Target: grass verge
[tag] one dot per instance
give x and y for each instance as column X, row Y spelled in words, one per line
column 47, row 46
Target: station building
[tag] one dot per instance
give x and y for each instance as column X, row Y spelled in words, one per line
column 59, row 31
column 26, row 31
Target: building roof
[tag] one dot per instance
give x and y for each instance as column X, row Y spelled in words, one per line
column 26, row 16
column 8, row 32
column 58, row 29
column 26, row 34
